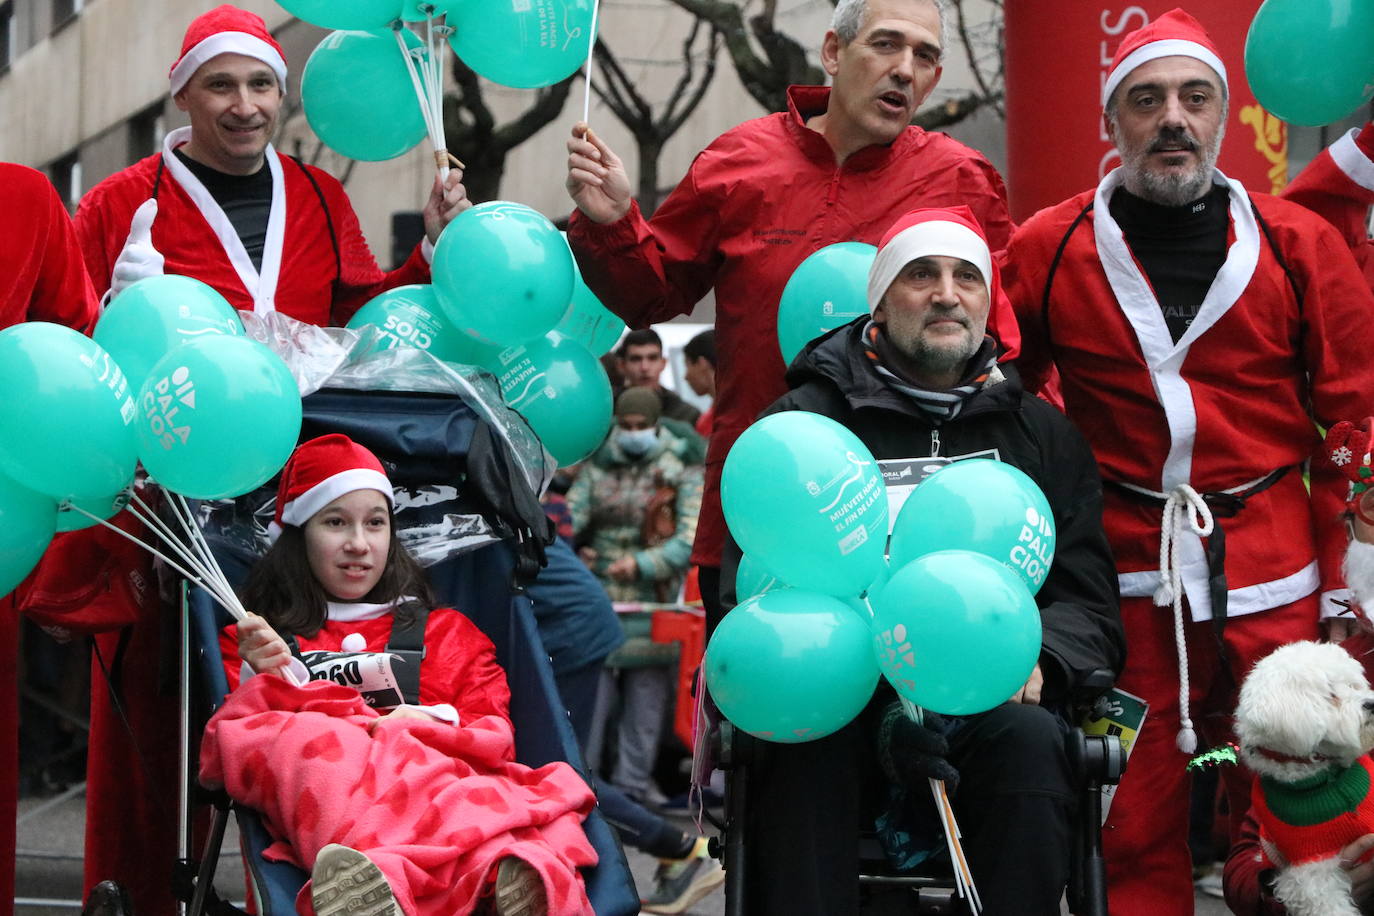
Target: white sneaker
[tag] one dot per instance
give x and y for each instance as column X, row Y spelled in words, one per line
column 344, row 881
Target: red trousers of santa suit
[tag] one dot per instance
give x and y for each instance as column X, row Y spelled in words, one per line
column 1145, row 840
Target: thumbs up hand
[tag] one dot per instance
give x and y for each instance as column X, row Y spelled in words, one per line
column 139, row 259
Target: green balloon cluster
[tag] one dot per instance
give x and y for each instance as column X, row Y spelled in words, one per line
column 345, row 14
column 524, row 44
column 358, row 96
column 1311, row 61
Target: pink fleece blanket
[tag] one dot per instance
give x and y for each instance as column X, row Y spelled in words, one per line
column 436, row 806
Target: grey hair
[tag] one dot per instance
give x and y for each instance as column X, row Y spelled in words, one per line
column 849, row 16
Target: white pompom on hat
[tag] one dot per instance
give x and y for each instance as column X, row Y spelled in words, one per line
column 1175, row 34
column 226, row 30
column 319, row 472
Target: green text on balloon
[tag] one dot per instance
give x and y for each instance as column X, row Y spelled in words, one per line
column 410, row 316
column 524, row 44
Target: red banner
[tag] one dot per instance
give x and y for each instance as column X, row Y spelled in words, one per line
column 1058, row 54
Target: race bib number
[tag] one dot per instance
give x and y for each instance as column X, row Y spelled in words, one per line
column 370, row 673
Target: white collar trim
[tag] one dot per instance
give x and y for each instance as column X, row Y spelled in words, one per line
column 261, row 287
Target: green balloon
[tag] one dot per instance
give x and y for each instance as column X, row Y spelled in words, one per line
column 344, row 14
column 524, row 44
column 503, row 273
column 410, row 316
column 66, row 413
column 358, row 96
column 1311, row 61
column 804, row 497
column 561, row 390
column 103, row 508
column 154, row 315
column 980, row 505
column 956, row 632
column 828, row 289
column 589, row 322
column 752, row 579
column 791, row 666
column 218, row 417
column 27, row 523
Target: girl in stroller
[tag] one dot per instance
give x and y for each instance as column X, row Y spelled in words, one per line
column 419, row 808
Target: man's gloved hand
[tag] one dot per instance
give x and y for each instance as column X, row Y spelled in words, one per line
column 139, row 259
column 910, row 753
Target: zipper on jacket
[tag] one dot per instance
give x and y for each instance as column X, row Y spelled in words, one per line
column 935, row 442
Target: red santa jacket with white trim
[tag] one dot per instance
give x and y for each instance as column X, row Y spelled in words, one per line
column 40, row 260
column 298, row 275
column 1339, row 185
column 1225, row 406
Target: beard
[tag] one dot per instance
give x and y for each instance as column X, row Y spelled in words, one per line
column 1172, row 188
column 933, row 357
column 1359, row 575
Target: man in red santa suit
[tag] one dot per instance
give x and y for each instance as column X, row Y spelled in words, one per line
column 269, row 233
column 1199, row 331
column 44, row 279
column 1339, row 184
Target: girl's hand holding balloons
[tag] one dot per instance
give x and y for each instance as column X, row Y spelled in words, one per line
column 261, row 647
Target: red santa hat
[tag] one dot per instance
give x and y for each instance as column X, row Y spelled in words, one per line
column 226, row 30
column 319, row 472
column 1175, row 34
column 953, row 232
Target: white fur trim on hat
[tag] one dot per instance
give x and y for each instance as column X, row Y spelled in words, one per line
column 299, row 510
column 1165, row 47
column 935, row 237
column 227, row 43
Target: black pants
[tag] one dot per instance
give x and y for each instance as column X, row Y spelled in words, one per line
column 808, row 802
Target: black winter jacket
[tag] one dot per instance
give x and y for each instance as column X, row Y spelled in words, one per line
column 1079, row 605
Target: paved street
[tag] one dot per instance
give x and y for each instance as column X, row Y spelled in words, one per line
column 49, row 866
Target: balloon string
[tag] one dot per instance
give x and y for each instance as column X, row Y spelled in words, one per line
column 587, row 78
column 186, row 518
column 434, row 77
column 421, row 95
column 207, row 569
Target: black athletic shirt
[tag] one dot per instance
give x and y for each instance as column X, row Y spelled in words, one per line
column 245, row 199
column 1180, row 248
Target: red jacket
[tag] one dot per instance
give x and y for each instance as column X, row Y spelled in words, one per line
column 40, row 261
column 1232, row 401
column 754, row 205
column 193, row 234
column 1339, row 185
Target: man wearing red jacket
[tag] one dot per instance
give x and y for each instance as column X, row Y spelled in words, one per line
column 840, row 165
column 269, row 233
column 1339, row 185
column 44, row 280
column 1198, row 331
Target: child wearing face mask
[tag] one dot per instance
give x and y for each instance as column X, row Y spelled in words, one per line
column 416, row 808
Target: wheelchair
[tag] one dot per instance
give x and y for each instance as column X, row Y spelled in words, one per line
column 458, row 485
column 1095, row 761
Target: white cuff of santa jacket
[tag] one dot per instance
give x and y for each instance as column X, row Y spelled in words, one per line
column 427, row 250
column 1330, row 608
column 443, row 712
column 1351, row 160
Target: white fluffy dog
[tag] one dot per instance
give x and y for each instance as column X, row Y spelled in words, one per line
column 1306, row 726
